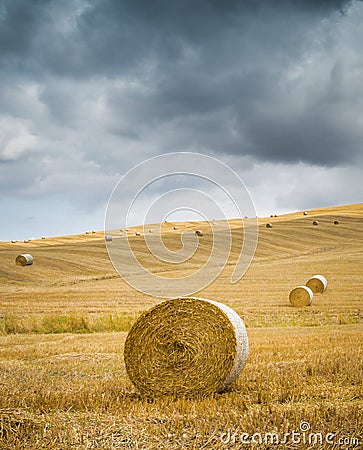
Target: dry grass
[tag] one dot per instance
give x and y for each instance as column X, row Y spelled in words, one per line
column 63, row 382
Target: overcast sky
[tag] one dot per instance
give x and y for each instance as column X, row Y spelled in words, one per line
column 90, row 88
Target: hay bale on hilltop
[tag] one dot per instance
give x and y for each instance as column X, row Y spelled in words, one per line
column 24, row 260
column 301, row 296
column 305, row 213
column 318, row 284
column 185, row 346
column 199, row 233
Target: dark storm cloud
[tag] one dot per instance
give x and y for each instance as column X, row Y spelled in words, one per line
column 88, row 88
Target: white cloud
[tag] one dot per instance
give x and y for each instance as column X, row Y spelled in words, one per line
column 15, row 138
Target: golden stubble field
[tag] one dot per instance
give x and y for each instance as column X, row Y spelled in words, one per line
column 64, row 320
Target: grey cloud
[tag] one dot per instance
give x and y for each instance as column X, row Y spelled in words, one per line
column 97, row 86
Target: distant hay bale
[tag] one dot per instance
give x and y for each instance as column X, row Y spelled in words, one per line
column 175, row 228
column 318, row 284
column 43, row 237
column 199, row 233
column 150, row 231
column 315, row 222
column 108, row 238
column 271, row 215
column 93, row 232
column 24, row 260
column 26, row 241
column 301, row 296
column 336, row 222
column 186, row 347
column 305, row 213
column 137, row 233
column 275, row 215
column 268, row 225
column 13, row 242
column 87, row 232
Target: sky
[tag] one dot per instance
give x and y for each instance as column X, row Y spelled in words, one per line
column 90, row 88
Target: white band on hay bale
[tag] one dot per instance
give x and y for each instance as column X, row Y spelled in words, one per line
column 268, row 225
column 199, row 233
column 24, row 260
column 301, row 296
column 108, row 238
column 186, row 346
column 317, row 283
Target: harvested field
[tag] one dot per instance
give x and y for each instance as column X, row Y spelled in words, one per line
column 64, row 321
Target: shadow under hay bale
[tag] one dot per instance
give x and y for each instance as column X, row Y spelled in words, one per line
column 24, row 260
column 318, row 284
column 186, row 347
column 301, row 296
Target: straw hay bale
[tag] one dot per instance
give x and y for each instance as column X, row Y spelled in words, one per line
column 315, row 222
column 24, row 260
column 43, row 237
column 185, row 346
column 305, row 213
column 108, row 238
column 318, row 284
column 199, row 233
column 175, row 228
column 268, row 225
column 87, row 232
column 150, row 231
column 336, row 222
column 137, row 233
column 13, row 242
column 301, row 296
column 26, row 241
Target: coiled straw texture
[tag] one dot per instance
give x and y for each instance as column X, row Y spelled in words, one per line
column 186, row 346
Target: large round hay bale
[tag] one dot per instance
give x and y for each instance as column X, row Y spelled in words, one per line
column 108, row 238
column 137, row 233
column 315, row 222
column 199, row 233
column 186, row 346
column 24, row 260
column 336, row 222
column 268, row 225
column 305, row 213
column 317, row 283
column 301, row 296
